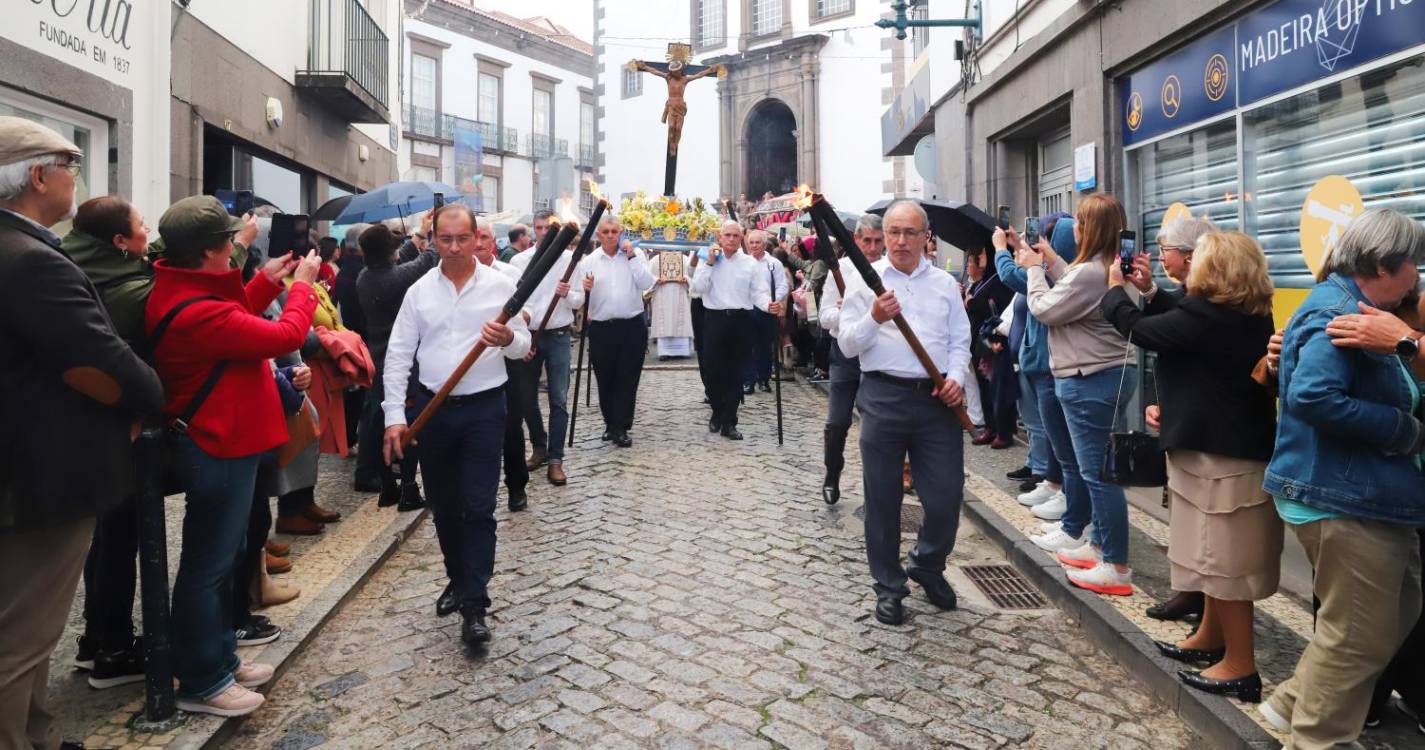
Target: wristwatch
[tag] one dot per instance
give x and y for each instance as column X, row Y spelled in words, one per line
column 1408, row 347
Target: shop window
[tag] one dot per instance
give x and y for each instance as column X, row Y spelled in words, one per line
column 1196, row 169
column 1369, row 129
column 89, row 134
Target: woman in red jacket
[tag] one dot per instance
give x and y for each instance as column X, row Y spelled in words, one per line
column 222, row 403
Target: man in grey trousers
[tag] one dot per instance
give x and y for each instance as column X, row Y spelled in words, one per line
column 903, row 413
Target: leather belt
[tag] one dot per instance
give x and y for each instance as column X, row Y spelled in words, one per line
column 556, row 331
column 917, row 384
column 469, row 397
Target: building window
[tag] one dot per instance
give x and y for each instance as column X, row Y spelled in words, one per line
column 919, row 35
column 766, row 17
column 543, row 112
column 423, row 174
column 1196, row 169
column 586, row 125
column 489, row 99
column 423, row 78
column 88, row 133
column 709, row 24
column 826, row 8
column 632, row 83
column 490, row 194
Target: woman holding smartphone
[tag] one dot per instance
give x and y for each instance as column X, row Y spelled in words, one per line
column 1093, row 377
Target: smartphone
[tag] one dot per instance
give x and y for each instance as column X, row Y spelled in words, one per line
column 439, row 201
column 782, row 234
column 1127, row 250
column 1031, row 230
column 237, row 202
column 1002, row 217
column 289, row 234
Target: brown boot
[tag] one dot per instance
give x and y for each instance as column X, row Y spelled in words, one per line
column 299, row 525
column 277, row 548
column 321, row 515
column 266, row 592
column 276, row 565
column 537, row 459
column 556, row 474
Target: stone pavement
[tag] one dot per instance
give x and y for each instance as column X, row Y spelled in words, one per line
column 692, row 592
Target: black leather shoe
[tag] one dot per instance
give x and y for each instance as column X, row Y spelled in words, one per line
column 390, row 495
column 411, row 498
column 714, row 425
column 607, row 436
column 1029, row 485
column 366, row 485
column 748, row 389
column 622, row 440
column 937, row 589
column 1183, row 605
column 446, row 603
column 1022, row 473
column 731, row 433
column 1247, row 689
column 830, row 489
column 474, row 631
column 889, row 610
column 519, row 500
column 764, row 387
column 1190, row 655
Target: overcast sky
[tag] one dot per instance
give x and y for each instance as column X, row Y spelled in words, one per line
column 575, row 15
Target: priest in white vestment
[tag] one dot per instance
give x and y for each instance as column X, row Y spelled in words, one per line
column 672, row 309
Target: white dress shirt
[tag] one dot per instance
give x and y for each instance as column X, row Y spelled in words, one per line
column 538, row 302
column 437, row 326
column 829, row 314
column 776, row 275
column 740, row 282
column 619, row 283
column 930, row 302
column 510, row 272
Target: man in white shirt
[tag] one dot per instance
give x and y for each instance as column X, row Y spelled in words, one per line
column 550, row 354
column 516, row 470
column 441, row 318
column 845, row 371
column 766, row 333
column 614, row 281
column 903, row 413
column 732, row 285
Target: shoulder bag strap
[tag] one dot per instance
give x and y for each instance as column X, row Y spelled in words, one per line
column 180, row 424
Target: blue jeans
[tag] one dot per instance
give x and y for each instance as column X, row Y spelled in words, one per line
column 218, row 499
column 461, row 448
column 1088, row 404
column 1041, row 453
column 551, row 352
column 1061, row 443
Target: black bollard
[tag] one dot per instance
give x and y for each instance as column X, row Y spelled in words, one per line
column 160, row 710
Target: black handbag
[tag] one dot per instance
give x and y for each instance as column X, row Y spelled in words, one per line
column 1133, row 458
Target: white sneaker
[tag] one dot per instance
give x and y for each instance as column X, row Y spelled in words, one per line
column 1052, row 509
column 1054, row 539
column 250, row 674
column 1049, row 526
column 1103, row 579
column 1039, row 494
column 235, row 701
column 1277, row 721
column 1082, row 556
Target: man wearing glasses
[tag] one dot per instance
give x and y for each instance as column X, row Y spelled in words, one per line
column 73, row 388
column 904, row 414
column 615, row 279
column 441, row 318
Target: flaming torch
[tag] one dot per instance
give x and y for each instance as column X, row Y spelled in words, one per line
column 584, row 246
column 821, row 211
column 823, row 242
column 538, row 269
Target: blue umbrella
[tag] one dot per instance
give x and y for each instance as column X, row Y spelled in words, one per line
column 398, row 199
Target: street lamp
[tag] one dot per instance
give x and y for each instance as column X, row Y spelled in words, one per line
column 901, row 22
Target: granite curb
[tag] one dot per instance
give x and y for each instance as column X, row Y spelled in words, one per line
column 1214, row 718
column 210, row 732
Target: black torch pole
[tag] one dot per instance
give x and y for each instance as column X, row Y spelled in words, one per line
column 579, row 371
column 160, row 710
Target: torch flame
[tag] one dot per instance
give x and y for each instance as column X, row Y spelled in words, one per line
column 803, row 194
column 566, row 211
column 594, row 191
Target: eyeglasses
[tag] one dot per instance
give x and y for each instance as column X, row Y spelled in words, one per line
column 73, row 167
column 1183, row 250
column 905, row 234
column 452, row 239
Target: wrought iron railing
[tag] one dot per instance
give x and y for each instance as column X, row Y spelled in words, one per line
column 586, row 156
column 541, row 146
column 344, row 38
column 428, row 123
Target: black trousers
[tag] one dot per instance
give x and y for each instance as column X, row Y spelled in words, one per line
column 370, row 460
column 765, row 337
column 616, row 351
column 1004, row 384
column 729, row 343
column 110, row 578
column 1406, row 672
column 259, row 522
column 516, row 472
column 699, row 316
column 845, row 381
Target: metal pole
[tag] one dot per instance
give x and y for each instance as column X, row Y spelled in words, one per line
column 579, row 374
column 160, row 710
column 777, row 376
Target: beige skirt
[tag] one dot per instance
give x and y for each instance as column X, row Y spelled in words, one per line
column 1225, row 538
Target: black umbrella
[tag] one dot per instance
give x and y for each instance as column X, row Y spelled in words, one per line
column 332, row 208
column 960, row 224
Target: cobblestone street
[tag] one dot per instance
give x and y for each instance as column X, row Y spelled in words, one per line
column 694, row 592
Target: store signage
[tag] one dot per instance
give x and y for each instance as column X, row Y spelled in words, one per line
column 1191, row 84
column 1277, row 48
column 1329, row 207
column 1085, row 168
column 1293, row 42
column 94, row 29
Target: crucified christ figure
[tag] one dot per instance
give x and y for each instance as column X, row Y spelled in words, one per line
column 677, row 108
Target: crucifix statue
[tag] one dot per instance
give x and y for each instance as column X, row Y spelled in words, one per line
column 677, row 72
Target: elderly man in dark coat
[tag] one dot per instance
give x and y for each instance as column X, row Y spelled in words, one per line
column 73, row 393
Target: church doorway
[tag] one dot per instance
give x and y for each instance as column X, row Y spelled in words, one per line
column 771, row 149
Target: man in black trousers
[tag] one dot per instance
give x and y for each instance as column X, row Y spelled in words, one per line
column 732, row 284
column 614, row 281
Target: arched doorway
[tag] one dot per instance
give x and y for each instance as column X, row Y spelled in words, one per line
column 771, row 149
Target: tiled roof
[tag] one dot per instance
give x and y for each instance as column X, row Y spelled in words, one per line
column 538, row 25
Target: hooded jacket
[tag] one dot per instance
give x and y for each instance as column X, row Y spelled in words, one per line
column 124, row 282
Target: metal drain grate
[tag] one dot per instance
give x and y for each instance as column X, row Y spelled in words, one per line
column 1004, row 586
column 912, row 517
